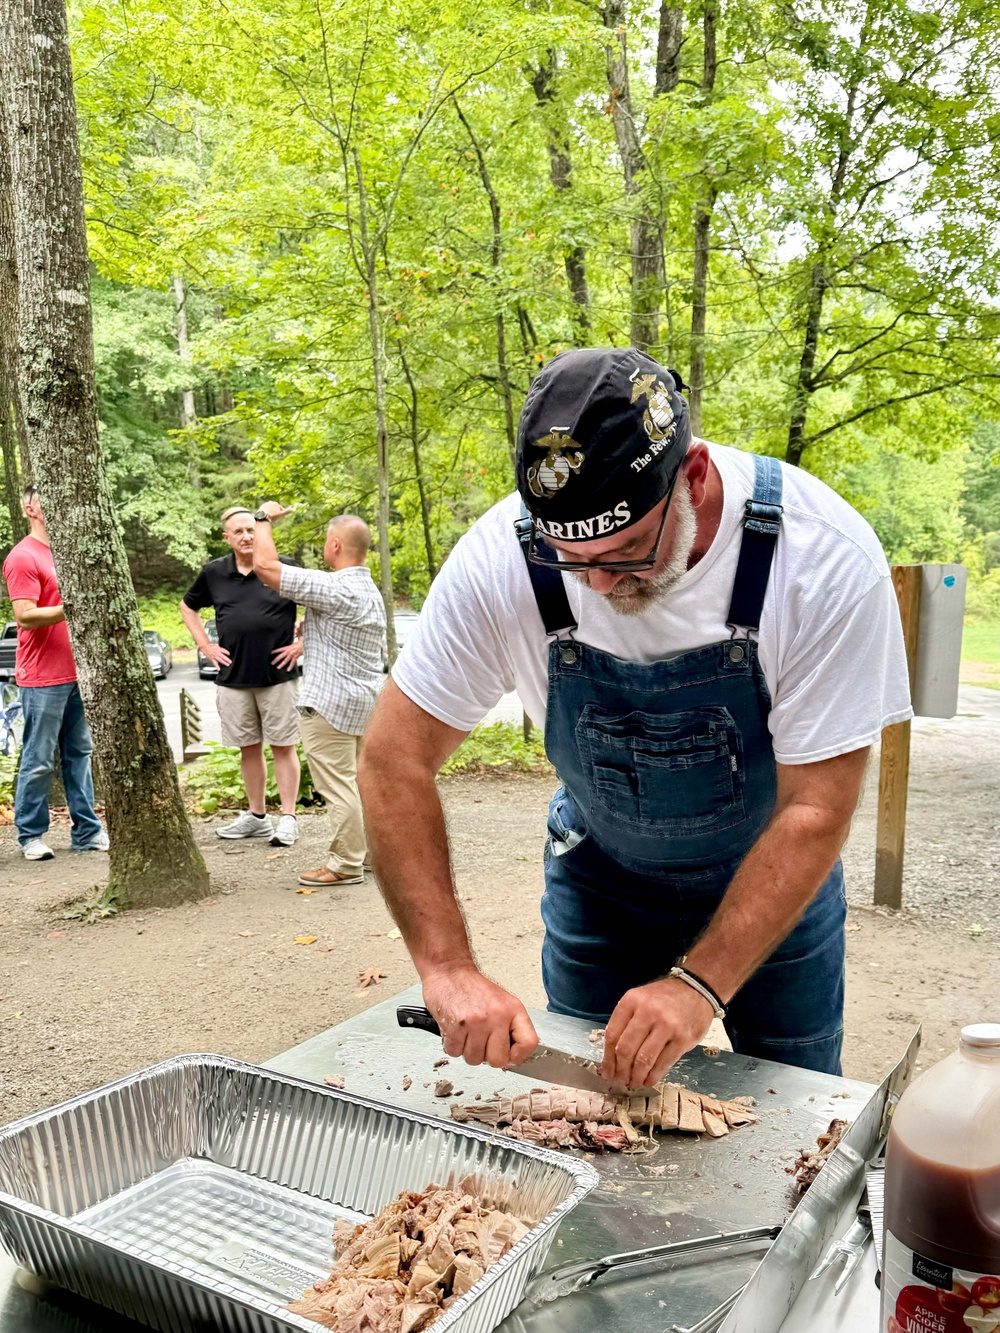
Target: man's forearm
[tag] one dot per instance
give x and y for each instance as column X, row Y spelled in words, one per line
column 266, row 564
column 769, row 893
column 409, row 848
column 195, row 625
column 38, row 617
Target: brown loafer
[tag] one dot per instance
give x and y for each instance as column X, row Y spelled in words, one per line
column 324, row 877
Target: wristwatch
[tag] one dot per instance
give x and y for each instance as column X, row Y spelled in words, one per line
column 261, row 517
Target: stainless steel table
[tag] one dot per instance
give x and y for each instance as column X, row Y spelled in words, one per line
column 685, row 1188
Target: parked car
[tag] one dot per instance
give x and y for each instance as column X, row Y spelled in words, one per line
column 158, row 653
column 207, row 669
column 404, row 622
column 8, row 650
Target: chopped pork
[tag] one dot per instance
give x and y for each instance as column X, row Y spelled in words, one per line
column 401, row 1270
column 567, row 1118
column 810, row 1161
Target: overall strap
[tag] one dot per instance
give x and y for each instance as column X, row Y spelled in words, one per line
column 761, row 525
column 547, row 586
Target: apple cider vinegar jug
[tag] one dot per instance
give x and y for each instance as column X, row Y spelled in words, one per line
column 941, row 1257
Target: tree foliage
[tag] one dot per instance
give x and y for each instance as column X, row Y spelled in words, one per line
column 385, row 218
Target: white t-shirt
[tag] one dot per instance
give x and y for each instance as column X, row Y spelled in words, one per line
column 831, row 645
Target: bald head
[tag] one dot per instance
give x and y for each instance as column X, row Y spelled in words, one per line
column 348, row 541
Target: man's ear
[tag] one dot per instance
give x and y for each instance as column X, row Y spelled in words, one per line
column 695, row 467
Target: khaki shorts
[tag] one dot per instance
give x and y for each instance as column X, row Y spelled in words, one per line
column 251, row 716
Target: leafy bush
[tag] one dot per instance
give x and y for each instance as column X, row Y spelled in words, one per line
column 8, row 775
column 161, row 613
column 498, row 748
column 215, row 782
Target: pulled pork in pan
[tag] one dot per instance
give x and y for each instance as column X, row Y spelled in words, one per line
column 401, row 1270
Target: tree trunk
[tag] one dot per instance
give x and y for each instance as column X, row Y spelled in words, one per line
column 807, row 361
column 646, row 241
column 805, row 384
column 418, row 469
column 702, row 237
column 154, row 860
column 496, row 257
column 8, row 446
column 11, row 410
column 670, row 37
column 376, row 338
column 189, row 416
column 560, row 173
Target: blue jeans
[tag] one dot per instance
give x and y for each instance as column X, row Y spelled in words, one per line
column 54, row 721
column 608, row 929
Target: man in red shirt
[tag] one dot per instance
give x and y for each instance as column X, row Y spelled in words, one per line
column 50, row 699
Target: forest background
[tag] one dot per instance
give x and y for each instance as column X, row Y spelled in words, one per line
column 332, row 243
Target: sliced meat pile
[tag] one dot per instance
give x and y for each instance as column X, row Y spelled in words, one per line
column 810, row 1161
column 401, row 1270
column 567, row 1118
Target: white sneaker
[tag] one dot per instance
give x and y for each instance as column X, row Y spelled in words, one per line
column 247, row 825
column 99, row 843
column 286, row 831
column 36, row 850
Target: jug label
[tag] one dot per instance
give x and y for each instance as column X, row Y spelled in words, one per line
column 921, row 1296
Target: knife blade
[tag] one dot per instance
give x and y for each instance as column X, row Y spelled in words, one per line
column 546, row 1063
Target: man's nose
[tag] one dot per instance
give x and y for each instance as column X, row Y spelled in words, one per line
column 602, row 580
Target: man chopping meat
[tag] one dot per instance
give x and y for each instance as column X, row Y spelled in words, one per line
column 712, row 642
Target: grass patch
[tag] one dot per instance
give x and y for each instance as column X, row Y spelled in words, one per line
column 981, row 643
column 216, row 782
column 498, row 748
column 980, row 656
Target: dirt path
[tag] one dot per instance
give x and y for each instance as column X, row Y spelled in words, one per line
column 80, row 1004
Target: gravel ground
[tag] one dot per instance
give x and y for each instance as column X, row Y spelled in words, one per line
column 80, row 1004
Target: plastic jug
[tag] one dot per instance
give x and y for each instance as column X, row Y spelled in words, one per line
column 941, row 1254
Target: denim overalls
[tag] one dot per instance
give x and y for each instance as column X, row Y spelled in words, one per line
column 669, row 777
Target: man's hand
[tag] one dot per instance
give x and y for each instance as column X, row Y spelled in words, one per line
column 479, row 1020
column 275, row 511
column 285, row 658
column 651, row 1028
column 216, row 654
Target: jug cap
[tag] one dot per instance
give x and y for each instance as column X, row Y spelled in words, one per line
column 984, row 1037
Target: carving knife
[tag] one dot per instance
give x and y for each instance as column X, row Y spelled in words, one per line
column 547, row 1064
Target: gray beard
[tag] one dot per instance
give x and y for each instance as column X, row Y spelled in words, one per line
column 631, row 596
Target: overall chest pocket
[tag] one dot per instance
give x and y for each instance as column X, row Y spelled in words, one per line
column 668, row 773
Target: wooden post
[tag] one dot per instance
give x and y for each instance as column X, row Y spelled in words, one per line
column 894, row 770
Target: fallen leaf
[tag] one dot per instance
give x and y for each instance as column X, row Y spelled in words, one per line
column 334, row 1080
column 305, row 891
column 395, row 933
column 55, row 935
column 306, row 939
column 370, row 977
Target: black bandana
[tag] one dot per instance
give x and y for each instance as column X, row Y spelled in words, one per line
column 602, row 436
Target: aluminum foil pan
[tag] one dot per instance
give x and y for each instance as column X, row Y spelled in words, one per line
column 200, row 1194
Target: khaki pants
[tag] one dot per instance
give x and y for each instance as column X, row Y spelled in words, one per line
column 333, row 763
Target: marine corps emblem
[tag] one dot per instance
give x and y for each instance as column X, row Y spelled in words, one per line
column 563, row 456
column 658, row 418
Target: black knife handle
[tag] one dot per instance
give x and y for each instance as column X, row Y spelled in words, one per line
column 415, row 1016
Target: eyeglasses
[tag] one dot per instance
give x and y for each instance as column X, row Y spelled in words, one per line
column 540, row 553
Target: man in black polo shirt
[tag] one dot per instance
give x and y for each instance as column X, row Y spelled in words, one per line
column 256, row 656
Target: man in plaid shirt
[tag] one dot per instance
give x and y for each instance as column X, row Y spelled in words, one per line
column 342, row 672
